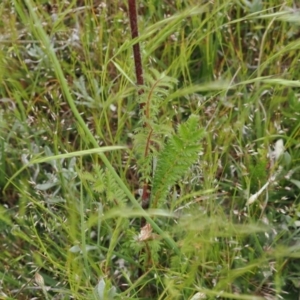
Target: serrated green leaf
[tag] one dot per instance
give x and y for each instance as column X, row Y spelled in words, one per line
column 180, row 152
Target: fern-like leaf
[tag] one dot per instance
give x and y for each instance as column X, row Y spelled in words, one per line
column 180, row 152
column 149, row 136
column 113, row 191
column 102, row 182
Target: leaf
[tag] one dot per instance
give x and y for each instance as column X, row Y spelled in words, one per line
column 87, row 176
column 38, row 159
column 112, row 292
column 75, row 249
column 45, row 186
column 180, row 152
column 296, row 183
column 90, row 248
column 99, row 186
column 198, row 296
column 99, row 289
column 145, row 234
column 287, row 159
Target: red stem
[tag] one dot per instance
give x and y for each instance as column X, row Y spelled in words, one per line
column 136, row 46
column 140, row 82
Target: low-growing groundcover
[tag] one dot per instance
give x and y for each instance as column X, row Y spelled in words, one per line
column 213, row 135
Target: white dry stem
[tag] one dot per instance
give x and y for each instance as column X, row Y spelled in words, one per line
column 270, row 180
column 274, row 156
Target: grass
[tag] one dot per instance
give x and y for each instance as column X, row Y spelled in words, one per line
column 70, row 171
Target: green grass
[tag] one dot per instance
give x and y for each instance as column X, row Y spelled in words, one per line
column 70, row 167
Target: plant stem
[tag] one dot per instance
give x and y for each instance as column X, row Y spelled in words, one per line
column 140, row 82
column 136, row 46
